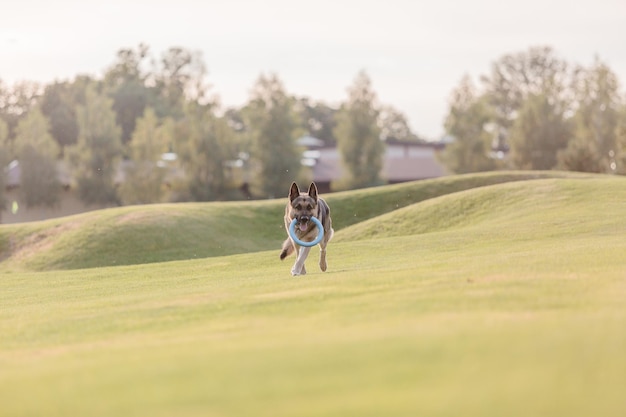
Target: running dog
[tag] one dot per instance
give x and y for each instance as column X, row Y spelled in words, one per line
column 303, row 206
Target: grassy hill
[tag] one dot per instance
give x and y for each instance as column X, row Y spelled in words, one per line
column 504, row 298
column 156, row 233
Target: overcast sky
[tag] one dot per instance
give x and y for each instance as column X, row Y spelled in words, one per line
column 415, row 52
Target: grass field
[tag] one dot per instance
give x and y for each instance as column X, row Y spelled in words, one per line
column 479, row 295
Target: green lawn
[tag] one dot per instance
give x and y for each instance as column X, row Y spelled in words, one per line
column 507, row 299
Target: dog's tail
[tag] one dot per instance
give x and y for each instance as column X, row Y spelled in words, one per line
column 288, row 249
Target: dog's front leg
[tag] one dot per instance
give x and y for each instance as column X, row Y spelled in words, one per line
column 323, row 265
column 298, row 267
column 323, row 244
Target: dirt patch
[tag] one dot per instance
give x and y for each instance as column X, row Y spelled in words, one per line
column 36, row 242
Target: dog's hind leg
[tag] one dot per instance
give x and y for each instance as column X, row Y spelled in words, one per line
column 298, row 267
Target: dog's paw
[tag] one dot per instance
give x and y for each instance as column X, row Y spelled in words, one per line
column 295, row 272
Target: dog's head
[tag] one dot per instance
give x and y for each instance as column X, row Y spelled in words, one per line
column 303, row 206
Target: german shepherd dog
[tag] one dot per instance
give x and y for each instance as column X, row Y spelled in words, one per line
column 303, row 206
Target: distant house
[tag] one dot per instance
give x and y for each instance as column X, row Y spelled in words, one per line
column 403, row 161
column 17, row 211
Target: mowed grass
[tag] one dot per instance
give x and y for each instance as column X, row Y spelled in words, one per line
column 165, row 232
column 507, row 299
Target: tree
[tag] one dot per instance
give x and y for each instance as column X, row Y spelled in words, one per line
column 4, row 160
column 620, row 154
column 15, row 103
column 126, row 81
column 204, row 152
column 179, row 78
column 128, row 66
column 467, row 122
column 358, row 136
column 318, row 119
column 394, row 125
column 37, row 153
column 143, row 182
column 94, row 157
column 58, row 104
column 516, row 77
column 273, row 128
column 538, row 134
column 596, row 121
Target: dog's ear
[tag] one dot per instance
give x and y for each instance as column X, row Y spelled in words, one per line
column 313, row 191
column 294, row 191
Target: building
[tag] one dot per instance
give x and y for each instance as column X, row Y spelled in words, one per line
column 16, row 210
column 403, row 161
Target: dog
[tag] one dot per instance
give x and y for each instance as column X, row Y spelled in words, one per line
column 303, row 206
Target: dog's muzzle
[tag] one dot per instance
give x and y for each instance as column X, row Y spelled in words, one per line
column 303, row 223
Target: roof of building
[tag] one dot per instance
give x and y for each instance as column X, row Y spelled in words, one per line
column 397, row 166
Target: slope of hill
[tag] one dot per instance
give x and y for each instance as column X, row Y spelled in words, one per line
column 558, row 206
column 164, row 232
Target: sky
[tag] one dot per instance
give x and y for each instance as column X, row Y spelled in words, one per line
column 415, row 52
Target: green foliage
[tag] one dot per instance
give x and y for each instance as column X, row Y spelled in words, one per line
column 620, row 154
column 4, row 134
column 178, row 79
column 143, row 182
column 528, row 92
column 94, row 158
column 127, row 67
column 58, row 104
column 518, row 108
column 515, row 77
column 126, row 81
column 33, row 131
column 15, row 102
column 394, row 125
column 358, row 137
column 318, row 119
column 129, row 102
column 37, row 153
column 579, row 155
column 467, row 122
column 596, row 121
column 548, row 113
column 39, row 185
column 273, row 128
column 204, row 149
column 4, row 161
column 539, row 133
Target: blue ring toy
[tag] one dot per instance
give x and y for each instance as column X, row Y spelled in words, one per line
column 318, row 239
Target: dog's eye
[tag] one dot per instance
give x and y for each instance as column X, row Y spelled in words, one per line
column 299, row 207
column 309, row 207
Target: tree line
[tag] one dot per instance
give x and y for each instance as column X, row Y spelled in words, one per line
column 155, row 121
column 144, row 108
column 537, row 111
